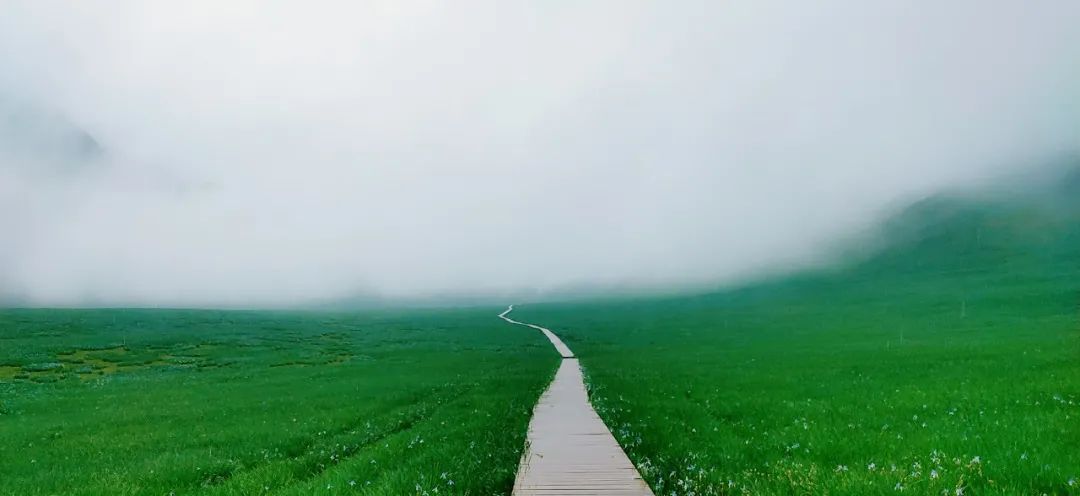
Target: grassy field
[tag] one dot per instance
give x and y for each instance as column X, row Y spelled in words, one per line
column 183, row 402
column 949, row 363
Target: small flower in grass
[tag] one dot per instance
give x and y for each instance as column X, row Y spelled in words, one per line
column 976, row 460
column 1023, row 456
column 841, row 468
column 898, row 487
column 871, row 467
column 1072, row 482
column 934, row 474
column 960, row 491
column 352, row 483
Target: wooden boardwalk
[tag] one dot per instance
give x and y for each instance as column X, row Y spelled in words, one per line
column 570, row 451
column 559, row 346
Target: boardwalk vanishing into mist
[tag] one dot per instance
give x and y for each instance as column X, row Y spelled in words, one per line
column 570, row 451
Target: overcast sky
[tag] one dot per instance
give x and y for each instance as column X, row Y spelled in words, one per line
column 279, row 152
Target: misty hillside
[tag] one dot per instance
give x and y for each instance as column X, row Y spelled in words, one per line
column 961, row 250
column 1026, row 229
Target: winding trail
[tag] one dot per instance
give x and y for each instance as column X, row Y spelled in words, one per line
column 569, row 449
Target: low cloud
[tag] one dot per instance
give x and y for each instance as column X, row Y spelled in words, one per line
column 273, row 153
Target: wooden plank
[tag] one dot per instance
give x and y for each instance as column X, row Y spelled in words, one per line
column 570, row 451
column 555, row 341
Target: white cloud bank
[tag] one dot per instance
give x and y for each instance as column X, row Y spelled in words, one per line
column 269, row 153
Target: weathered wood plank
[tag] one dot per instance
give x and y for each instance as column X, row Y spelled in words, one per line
column 555, row 341
column 570, row 451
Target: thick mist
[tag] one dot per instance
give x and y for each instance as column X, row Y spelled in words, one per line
column 282, row 153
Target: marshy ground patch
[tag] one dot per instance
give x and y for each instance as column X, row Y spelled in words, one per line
column 96, row 362
column 8, row 372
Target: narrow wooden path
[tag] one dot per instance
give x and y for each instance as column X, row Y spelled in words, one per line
column 570, row 451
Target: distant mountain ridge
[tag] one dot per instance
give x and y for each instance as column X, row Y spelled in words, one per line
column 32, row 134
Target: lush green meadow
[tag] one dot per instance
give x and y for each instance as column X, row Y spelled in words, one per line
column 184, row 402
column 947, row 363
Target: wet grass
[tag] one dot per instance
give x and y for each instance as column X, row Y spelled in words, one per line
column 947, row 364
column 207, row 402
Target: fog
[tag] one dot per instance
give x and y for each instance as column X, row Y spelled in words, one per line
column 258, row 153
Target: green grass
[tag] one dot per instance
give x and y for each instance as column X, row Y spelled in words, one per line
column 185, row 402
column 948, row 361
